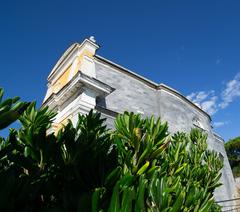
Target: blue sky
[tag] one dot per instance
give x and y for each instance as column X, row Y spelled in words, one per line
column 192, row 46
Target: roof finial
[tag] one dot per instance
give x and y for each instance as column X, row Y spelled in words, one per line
column 92, row 39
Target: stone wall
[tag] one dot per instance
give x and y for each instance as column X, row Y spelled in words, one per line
column 140, row 96
column 130, row 94
column 179, row 114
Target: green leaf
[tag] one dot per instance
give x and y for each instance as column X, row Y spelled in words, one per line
column 127, row 198
column 140, row 199
column 143, row 168
column 115, row 204
column 97, row 194
column 179, row 202
column 113, row 176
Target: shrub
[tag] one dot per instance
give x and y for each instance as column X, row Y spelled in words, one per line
column 160, row 172
column 137, row 167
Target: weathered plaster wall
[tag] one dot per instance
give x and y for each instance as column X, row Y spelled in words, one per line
column 133, row 95
column 130, row 94
column 179, row 113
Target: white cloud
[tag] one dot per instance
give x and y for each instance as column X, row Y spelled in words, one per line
column 191, row 96
column 231, row 91
column 219, row 123
column 205, row 100
column 211, row 103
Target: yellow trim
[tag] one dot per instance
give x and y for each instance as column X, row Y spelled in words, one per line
column 80, row 60
column 64, row 77
column 62, row 80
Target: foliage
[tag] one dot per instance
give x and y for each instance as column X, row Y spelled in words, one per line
column 10, row 110
column 138, row 167
column 41, row 171
column 233, row 152
column 160, row 172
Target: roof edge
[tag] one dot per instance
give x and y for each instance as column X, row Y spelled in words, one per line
column 218, row 137
column 153, row 84
column 175, row 92
column 66, row 53
column 132, row 73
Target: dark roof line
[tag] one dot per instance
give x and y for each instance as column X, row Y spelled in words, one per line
column 151, row 83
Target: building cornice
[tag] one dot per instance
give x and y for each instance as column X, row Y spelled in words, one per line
column 78, row 81
column 106, row 111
